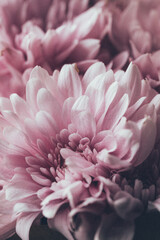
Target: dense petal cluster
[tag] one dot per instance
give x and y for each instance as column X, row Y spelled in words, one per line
column 140, row 36
column 46, row 33
column 63, row 145
column 141, row 33
column 79, row 116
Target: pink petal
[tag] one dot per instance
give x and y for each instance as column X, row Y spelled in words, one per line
column 48, row 103
column 93, row 71
column 109, row 98
column 111, row 161
column 24, row 223
column 67, row 52
column 18, row 190
column 5, row 104
column 61, row 223
column 12, row 118
column 50, row 210
column 69, row 82
column 7, row 227
column 105, row 139
column 32, row 87
column 20, row 107
column 47, row 41
column 86, row 49
column 41, row 180
column 96, row 91
column 46, row 124
column 84, row 123
column 16, row 137
column 148, row 132
column 146, row 66
column 66, row 110
column 86, row 30
column 26, row 207
column 115, row 114
column 81, row 104
column 29, row 125
column 132, row 82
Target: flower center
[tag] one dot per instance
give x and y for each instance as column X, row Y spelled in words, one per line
column 50, row 167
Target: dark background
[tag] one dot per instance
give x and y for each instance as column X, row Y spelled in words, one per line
column 147, row 228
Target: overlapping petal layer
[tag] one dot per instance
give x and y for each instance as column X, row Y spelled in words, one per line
column 66, row 140
column 140, row 36
column 48, row 34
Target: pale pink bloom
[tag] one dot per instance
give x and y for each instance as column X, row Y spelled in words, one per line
column 63, row 143
column 47, row 33
column 136, row 26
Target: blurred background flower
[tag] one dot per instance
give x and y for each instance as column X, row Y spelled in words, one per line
column 135, row 28
column 48, row 34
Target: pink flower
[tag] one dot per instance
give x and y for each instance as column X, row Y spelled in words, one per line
column 139, row 38
column 48, row 33
column 63, row 144
column 141, row 33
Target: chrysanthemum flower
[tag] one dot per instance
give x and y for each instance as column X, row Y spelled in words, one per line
column 47, row 33
column 62, row 145
column 141, row 33
column 139, row 37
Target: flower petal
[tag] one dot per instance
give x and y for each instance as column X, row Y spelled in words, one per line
column 69, row 82
column 24, row 223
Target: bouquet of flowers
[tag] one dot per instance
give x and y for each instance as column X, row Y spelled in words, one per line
column 79, row 116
